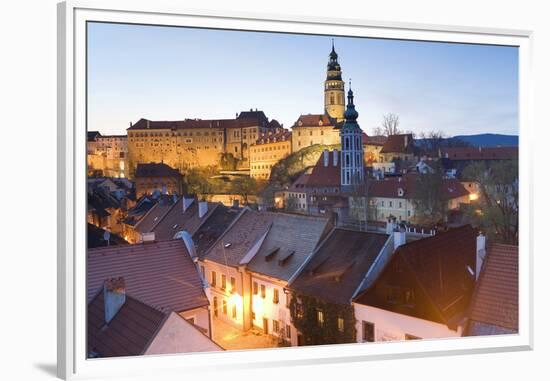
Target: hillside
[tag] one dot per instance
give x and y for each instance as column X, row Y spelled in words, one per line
column 489, row 140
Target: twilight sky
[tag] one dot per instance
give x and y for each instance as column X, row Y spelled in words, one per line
column 171, row 73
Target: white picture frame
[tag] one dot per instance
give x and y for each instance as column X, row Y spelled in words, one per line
column 72, row 18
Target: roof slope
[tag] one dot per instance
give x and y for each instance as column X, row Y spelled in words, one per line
column 328, row 176
column 128, row 333
column 239, row 238
column 213, row 228
column 160, row 274
column 402, row 143
column 389, row 187
column 313, row 120
column 339, row 265
column 156, row 170
column 439, row 266
column 154, row 215
column 246, row 120
column 495, row 300
column 175, row 220
column 291, row 239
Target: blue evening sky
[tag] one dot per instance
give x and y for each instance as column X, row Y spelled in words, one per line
column 172, row 73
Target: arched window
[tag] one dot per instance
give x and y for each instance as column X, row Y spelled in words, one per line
column 347, row 142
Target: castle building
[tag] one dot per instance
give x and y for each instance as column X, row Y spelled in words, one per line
column 352, row 168
column 193, row 143
column 311, row 129
column 267, row 151
column 107, row 154
column 334, row 88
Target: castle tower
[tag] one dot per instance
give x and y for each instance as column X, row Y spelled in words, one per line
column 334, row 88
column 353, row 172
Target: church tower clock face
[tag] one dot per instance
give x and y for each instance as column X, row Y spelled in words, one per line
column 334, row 88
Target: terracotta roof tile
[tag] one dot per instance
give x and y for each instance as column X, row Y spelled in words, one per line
column 314, row 120
column 328, row 176
column 339, row 265
column 389, row 187
column 156, row 170
column 495, row 300
column 398, row 144
column 160, row 274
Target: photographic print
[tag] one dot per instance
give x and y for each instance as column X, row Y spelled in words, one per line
column 255, row 190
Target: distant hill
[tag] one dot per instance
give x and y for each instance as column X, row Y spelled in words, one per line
column 489, row 140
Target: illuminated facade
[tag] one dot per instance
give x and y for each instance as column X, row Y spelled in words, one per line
column 267, row 151
column 107, row 155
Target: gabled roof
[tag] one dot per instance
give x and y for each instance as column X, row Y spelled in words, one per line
column 155, row 214
column 328, row 176
column 377, row 140
column 313, row 120
column 238, row 239
column 128, row 333
column 480, row 153
column 95, row 237
column 156, row 170
column 291, row 239
column 256, row 115
column 139, row 329
column 243, row 120
column 160, row 274
column 495, row 300
column 339, row 265
column 439, row 264
column 176, row 220
column 280, row 136
column 398, row 144
column 213, row 228
column 390, row 187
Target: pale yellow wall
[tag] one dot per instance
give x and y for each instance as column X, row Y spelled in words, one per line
column 264, row 156
column 306, row 136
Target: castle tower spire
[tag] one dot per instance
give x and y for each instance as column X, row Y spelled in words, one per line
column 334, row 88
column 352, row 168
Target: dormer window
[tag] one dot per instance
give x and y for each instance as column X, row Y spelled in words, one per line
column 400, row 192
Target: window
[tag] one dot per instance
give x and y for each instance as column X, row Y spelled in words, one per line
column 340, row 324
column 368, row 331
column 276, row 327
column 215, row 306
column 213, row 280
column 287, row 299
column 287, row 329
column 255, row 288
column 299, row 311
column 234, row 311
column 224, row 307
column 262, row 289
column 233, row 285
column 275, row 296
column 320, row 318
column 409, row 297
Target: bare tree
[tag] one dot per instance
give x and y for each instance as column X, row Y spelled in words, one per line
column 390, row 124
column 377, row 131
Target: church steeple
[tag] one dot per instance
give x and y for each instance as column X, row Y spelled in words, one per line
column 353, row 172
column 334, row 88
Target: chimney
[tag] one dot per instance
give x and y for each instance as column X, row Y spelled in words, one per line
column 480, row 253
column 399, row 238
column 114, row 296
column 335, row 157
column 325, row 158
column 203, row 208
column 187, row 201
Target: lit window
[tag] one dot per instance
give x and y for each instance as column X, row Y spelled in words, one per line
column 233, row 285
column 262, row 290
column 275, row 296
column 213, row 279
column 320, row 318
column 340, row 324
column 276, row 327
column 224, row 282
column 234, row 311
column 224, row 307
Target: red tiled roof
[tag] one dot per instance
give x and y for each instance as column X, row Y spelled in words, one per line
column 284, row 135
column 396, row 143
column 156, row 170
column 389, row 187
column 312, row 120
column 237, row 240
column 160, row 274
column 480, row 153
column 245, row 121
column 339, row 265
column 328, row 176
column 495, row 301
column 128, row 333
column 176, row 220
column 378, row 140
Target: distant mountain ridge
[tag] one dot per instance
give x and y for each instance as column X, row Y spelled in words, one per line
column 489, row 140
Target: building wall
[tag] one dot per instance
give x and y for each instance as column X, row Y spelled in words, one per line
column 371, row 152
column 180, row 149
column 147, row 185
column 390, row 326
column 108, row 154
column 303, row 136
column 199, row 317
column 264, row 156
column 295, row 201
column 266, row 308
column 390, row 156
column 382, row 208
column 217, row 294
